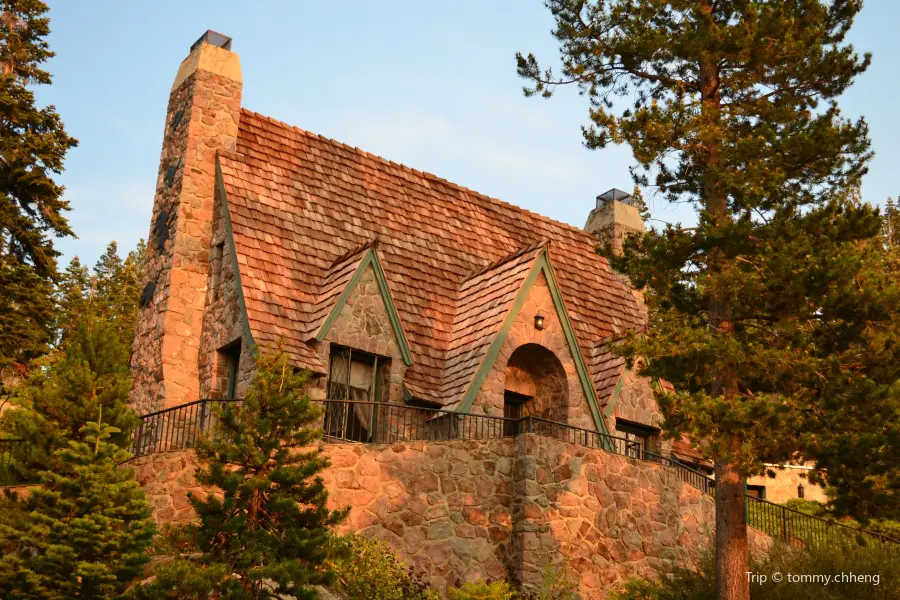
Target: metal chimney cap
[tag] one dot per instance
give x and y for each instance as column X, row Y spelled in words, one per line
column 614, row 194
column 214, row 38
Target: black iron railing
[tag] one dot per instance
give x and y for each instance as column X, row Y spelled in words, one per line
column 379, row 423
column 11, row 450
column 175, row 428
column 797, row 528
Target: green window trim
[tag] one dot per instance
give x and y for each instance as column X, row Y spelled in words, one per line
column 370, row 260
column 541, row 266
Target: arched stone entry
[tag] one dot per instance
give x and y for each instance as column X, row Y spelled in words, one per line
column 535, row 385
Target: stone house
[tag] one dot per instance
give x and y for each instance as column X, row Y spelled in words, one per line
column 400, row 290
column 424, row 292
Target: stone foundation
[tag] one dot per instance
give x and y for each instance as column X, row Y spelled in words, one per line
column 465, row 510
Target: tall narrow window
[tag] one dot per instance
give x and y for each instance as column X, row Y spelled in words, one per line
column 229, row 365
column 513, row 404
column 355, row 380
column 218, row 252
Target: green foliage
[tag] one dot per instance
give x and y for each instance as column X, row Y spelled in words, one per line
column 892, row 224
column 832, row 560
column 83, row 533
column 263, row 530
column 558, row 582
column 33, row 142
column 776, row 317
column 369, row 570
column 27, row 317
column 886, row 527
column 88, row 370
column 498, row 590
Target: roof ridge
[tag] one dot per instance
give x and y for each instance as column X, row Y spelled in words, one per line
column 424, row 174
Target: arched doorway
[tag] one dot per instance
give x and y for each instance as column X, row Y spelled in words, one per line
column 535, row 385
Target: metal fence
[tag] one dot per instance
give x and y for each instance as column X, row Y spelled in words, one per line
column 799, row 529
column 10, row 449
column 175, row 428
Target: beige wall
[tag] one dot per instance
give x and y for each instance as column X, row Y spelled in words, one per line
column 783, row 486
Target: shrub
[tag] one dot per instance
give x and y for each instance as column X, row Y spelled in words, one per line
column 368, row 570
column 498, row 590
column 835, row 559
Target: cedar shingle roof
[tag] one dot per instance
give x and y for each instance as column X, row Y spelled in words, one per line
column 302, row 206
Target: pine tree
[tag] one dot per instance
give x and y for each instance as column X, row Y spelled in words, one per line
column 33, row 144
column 84, row 532
column 263, row 529
column 731, row 107
column 33, row 141
column 892, row 223
column 90, row 367
column 27, row 317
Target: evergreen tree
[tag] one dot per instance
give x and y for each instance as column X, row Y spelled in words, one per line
column 27, row 317
column 263, row 529
column 33, row 144
column 90, row 367
column 33, row 141
column 84, row 532
column 731, row 108
column 892, row 223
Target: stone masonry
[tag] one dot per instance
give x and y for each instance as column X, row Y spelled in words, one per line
column 202, row 118
column 363, row 324
column 224, row 320
column 571, row 405
column 464, row 510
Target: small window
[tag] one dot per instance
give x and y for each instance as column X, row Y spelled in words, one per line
column 639, row 439
column 217, row 254
column 229, row 365
column 757, row 491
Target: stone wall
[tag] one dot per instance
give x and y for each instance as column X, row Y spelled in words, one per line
column 224, row 321
column 464, row 510
column 636, row 402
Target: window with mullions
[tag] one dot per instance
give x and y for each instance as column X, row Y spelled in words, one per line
column 639, row 438
column 355, row 385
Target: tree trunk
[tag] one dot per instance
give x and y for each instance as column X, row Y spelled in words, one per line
column 732, row 550
column 732, row 557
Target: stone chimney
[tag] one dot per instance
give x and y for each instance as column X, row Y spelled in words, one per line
column 614, row 217
column 201, row 119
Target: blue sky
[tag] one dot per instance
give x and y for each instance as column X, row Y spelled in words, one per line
column 429, row 84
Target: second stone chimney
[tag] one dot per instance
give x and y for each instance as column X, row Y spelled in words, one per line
column 614, row 218
column 202, row 118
